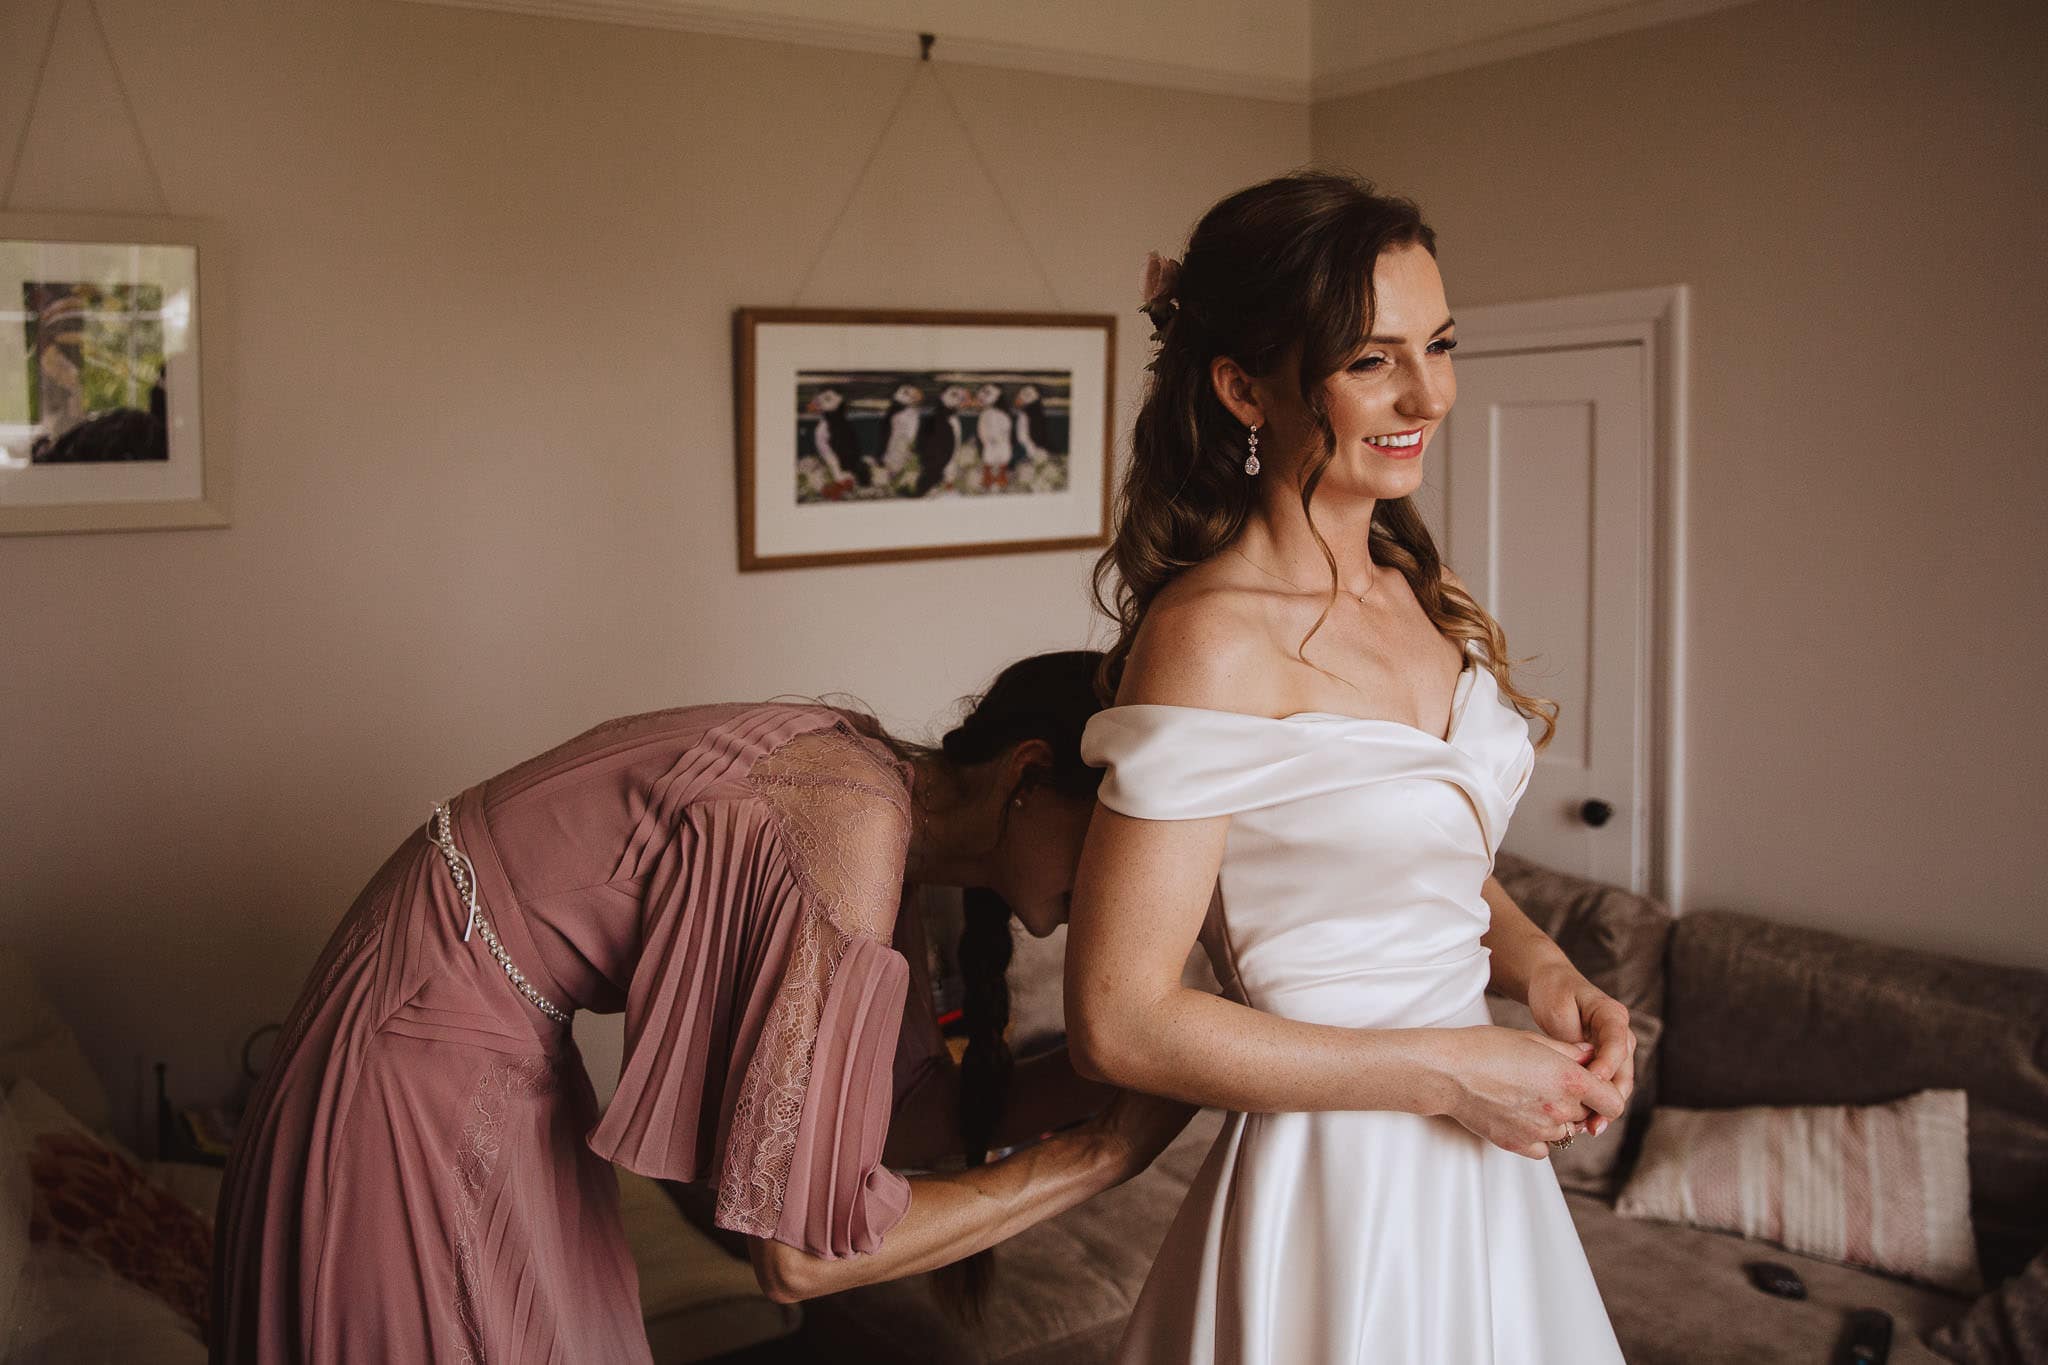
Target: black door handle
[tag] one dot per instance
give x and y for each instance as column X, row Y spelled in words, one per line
column 1595, row 812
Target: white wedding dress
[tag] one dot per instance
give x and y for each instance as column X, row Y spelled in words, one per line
column 1349, row 894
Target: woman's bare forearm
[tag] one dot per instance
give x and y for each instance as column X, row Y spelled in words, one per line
column 1207, row 1050
column 1518, row 946
column 953, row 1216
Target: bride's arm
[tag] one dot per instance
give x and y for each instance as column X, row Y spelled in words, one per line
column 1529, row 966
column 1520, row 949
column 1140, row 895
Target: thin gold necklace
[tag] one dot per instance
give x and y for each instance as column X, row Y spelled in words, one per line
column 1370, row 579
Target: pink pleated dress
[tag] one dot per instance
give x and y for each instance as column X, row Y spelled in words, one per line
column 422, row 1175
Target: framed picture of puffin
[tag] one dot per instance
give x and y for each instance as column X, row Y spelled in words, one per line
column 101, row 371
column 871, row 434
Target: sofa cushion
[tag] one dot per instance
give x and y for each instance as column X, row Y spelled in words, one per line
column 1885, row 1186
column 1767, row 1013
column 1071, row 1276
column 37, row 1045
column 698, row 1301
column 1616, row 937
column 1679, row 1296
column 196, row 1186
column 1038, row 1013
column 71, row 1309
column 91, row 1199
column 1061, row 1291
column 2010, row 1323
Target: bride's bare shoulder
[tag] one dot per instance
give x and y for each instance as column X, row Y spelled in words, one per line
column 1203, row 642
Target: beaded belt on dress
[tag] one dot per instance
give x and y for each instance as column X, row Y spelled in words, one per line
column 441, row 831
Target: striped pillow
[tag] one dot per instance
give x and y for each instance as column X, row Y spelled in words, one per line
column 1885, row 1186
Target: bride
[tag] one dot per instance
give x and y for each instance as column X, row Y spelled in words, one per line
column 1315, row 752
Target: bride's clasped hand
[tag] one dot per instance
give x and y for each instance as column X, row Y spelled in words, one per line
column 1580, row 1069
column 1514, row 1086
column 1572, row 1009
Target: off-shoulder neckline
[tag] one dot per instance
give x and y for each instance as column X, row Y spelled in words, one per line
column 1448, row 738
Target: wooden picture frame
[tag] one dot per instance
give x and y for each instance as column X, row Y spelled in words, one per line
column 102, row 373
column 869, row 435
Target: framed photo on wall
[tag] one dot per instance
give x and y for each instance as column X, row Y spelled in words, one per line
column 102, row 368
column 874, row 435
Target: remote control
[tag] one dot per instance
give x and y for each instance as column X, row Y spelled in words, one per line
column 1868, row 1340
column 1773, row 1278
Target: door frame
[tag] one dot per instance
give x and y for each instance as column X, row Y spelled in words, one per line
column 1656, row 319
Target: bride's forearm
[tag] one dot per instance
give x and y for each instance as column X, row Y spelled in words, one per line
column 953, row 1216
column 1204, row 1049
column 1518, row 946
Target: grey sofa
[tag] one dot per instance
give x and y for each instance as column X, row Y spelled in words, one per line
column 1756, row 1012
column 1752, row 1012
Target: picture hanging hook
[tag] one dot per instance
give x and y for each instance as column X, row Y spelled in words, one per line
column 925, row 41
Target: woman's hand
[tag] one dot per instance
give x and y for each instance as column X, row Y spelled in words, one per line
column 956, row 1214
column 1572, row 1009
column 1520, row 1090
column 1135, row 1128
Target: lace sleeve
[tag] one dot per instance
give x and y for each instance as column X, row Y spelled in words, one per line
column 843, row 803
column 803, row 1156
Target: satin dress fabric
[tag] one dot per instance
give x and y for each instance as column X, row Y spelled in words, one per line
column 1350, row 894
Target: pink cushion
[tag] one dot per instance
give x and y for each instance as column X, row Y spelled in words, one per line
column 1885, row 1186
column 91, row 1199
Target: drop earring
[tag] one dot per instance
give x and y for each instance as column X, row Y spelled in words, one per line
column 1251, row 459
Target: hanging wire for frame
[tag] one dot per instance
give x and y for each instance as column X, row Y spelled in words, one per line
column 35, row 91
column 923, row 64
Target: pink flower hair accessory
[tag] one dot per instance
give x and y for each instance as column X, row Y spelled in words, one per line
column 1160, row 288
column 1162, row 278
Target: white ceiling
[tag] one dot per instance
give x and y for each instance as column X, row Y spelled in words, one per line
column 1293, row 50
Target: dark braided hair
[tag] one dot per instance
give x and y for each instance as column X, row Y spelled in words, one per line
column 984, row 955
column 1047, row 697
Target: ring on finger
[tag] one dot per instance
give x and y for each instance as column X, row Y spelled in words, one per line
column 1570, row 1131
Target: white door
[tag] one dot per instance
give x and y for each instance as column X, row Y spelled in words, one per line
column 1541, row 503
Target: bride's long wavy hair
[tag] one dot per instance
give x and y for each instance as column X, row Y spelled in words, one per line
column 1284, row 264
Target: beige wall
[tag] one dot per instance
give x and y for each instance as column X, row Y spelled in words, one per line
column 481, row 274
column 1856, row 193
